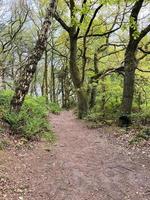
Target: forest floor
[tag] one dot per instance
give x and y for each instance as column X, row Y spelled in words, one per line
column 83, row 164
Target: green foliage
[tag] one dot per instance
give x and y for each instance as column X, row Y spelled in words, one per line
column 54, row 108
column 49, row 137
column 5, row 97
column 142, row 116
column 94, row 116
column 133, row 25
column 145, row 115
column 142, row 135
column 108, row 100
column 3, row 144
column 31, row 122
column 32, row 118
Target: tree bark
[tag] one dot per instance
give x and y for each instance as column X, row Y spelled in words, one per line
column 45, row 78
column 30, row 66
column 93, row 91
column 128, row 89
column 53, row 78
column 93, row 94
column 131, row 64
column 73, row 32
column 75, row 75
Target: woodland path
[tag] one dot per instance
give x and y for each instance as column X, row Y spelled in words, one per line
column 83, row 165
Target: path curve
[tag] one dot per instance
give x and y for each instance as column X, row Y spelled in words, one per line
column 83, row 165
column 93, row 168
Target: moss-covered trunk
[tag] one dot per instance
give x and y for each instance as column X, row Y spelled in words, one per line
column 128, row 89
column 75, row 75
column 131, row 63
column 93, row 94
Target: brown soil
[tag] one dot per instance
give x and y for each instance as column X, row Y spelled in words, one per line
column 84, row 164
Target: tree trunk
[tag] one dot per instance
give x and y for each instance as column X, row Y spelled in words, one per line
column 103, row 105
column 82, row 103
column 93, row 94
column 35, row 85
column 67, row 87
column 30, row 67
column 75, row 75
column 93, row 91
column 53, row 80
column 128, row 88
column 3, row 79
column 43, row 85
column 45, row 79
column 63, row 94
column 131, row 63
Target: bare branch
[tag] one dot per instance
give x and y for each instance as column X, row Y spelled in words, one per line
column 82, row 18
column 144, row 51
column 141, row 70
column 12, row 37
column 61, row 22
column 134, row 15
column 119, row 70
column 92, row 19
column 143, row 33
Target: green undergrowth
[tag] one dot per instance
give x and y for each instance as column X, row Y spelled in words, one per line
column 109, row 115
column 144, row 134
column 54, row 108
column 140, row 122
column 3, row 144
column 98, row 117
column 32, row 121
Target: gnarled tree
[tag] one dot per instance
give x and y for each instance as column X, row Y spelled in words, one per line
column 130, row 60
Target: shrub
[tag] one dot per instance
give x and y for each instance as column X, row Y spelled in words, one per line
column 5, row 97
column 31, row 122
column 54, row 108
column 93, row 117
column 142, row 117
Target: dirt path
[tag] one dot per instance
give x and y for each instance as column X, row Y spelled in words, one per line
column 83, row 165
